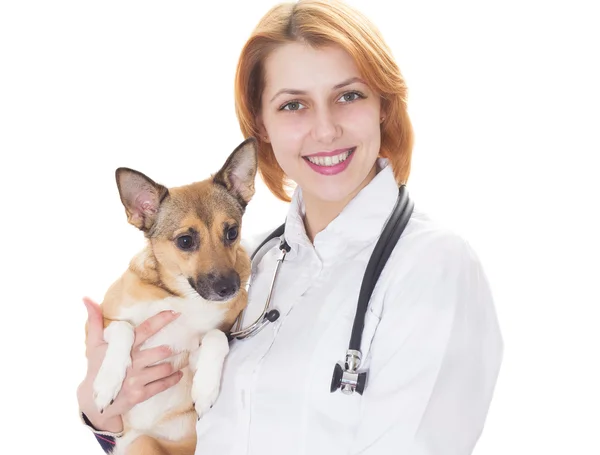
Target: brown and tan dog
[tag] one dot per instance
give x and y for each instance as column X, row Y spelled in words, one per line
column 193, row 263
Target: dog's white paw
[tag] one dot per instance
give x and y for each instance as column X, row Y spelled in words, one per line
column 204, row 394
column 119, row 335
column 207, row 363
column 108, row 383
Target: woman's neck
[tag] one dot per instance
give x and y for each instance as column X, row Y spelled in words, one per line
column 319, row 213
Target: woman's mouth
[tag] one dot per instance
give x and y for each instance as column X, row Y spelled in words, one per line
column 330, row 163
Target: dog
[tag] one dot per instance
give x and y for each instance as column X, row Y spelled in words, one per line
column 193, row 263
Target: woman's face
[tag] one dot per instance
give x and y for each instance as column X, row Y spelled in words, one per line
column 321, row 119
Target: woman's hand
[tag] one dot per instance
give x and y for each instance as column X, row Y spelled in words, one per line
column 143, row 380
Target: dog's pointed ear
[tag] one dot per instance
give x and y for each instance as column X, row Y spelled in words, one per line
column 141, row 197
column 239, row 171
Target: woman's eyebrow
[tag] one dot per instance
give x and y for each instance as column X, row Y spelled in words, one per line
column 291, row 91
column 348, row 82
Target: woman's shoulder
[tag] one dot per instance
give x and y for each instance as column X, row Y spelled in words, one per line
column 434, row 266
column 428, row 239
column 432, row 253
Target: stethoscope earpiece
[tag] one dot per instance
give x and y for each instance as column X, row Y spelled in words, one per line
column 272, row 315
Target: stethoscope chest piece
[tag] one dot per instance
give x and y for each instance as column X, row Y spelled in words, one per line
column 346, row 377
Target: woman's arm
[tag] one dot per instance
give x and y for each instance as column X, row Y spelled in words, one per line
column 435, row 360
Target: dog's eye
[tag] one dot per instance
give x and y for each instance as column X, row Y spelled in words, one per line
column 185, row 242
column 231, row 234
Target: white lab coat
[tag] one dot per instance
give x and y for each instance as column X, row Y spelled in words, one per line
column 431, row 343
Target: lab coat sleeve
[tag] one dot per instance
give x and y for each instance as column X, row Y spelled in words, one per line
column 435, row 359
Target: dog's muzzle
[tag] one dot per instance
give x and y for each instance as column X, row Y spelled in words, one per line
column 217, row 287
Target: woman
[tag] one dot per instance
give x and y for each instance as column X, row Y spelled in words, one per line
column 319, row 89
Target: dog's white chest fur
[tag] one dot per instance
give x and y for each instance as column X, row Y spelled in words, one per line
column 197, row 323
column 197, row 318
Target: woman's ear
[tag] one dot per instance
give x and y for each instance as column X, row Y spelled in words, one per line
column 263, row 136
column 383, row 110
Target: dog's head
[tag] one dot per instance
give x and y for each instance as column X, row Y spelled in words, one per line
column 194, row 230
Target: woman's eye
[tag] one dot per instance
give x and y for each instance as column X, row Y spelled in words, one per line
column 292, row 106
column 231, row 234
column 350, row 96
column 185, row 242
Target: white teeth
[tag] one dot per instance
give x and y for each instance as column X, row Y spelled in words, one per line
column 328, row 161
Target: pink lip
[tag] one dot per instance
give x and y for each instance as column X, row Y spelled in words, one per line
column 335, row 169
column 332, row 153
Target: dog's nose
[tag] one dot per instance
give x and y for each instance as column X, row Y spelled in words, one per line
column 226, row 285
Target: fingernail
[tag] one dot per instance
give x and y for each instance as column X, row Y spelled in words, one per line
column 175, row 313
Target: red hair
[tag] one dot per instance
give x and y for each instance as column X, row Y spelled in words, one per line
column 320, row 23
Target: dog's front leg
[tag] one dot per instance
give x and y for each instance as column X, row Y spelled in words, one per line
column 120, row 336
column 207, row 365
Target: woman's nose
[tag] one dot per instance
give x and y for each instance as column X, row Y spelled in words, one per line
column 326, row 128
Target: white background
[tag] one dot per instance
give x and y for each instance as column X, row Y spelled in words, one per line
column 504, row 98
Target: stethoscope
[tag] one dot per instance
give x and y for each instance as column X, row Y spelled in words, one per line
column 267, row 315
column 346, row 375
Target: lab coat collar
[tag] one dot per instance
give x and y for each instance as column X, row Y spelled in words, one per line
column 360, row 223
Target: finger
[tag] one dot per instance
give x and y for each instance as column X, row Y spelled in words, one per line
column 145, row 357
column 162, row 384
column 152, row 325
column 140, row 387
column 138, row 394
column 95, row 323
column 134, row 386
column 156, row 373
